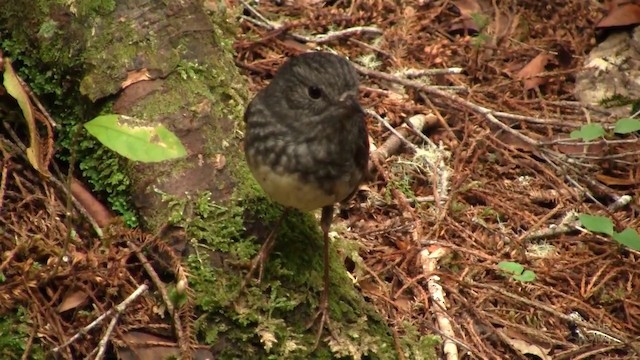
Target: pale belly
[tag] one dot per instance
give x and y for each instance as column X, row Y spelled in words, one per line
column 290, row 191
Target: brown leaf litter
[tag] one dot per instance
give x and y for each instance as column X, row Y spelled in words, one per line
column 511, row 185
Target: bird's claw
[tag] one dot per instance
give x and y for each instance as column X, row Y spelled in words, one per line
column 321, row 318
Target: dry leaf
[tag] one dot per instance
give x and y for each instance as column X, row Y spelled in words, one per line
column 465, row 23
column 623, row 15
column 135, row 76
column 219, row 161
column 35, row 153
column 610, row 180
column 72, row 300
column 145, row 346
column 592, row 149
column 529, row 72
column 527, row 348
column 467, row 7
column 404, row 304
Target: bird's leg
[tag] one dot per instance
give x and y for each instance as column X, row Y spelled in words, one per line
column 261, row 258
column 323, row 311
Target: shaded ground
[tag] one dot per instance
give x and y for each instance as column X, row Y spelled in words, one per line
column 498, row 188
column 503, row 185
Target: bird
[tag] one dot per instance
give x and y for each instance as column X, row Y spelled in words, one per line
column 307, row 146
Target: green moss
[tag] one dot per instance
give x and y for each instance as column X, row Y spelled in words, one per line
column 48, row 55
column 14, row 336
column 114, row 48
column 91, row 9
column 106, row 173
column 267, row 318
column 417, row 346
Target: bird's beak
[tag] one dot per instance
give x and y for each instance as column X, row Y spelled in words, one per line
column 349, row 102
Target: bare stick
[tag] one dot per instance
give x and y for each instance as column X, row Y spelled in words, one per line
column 429, row 262
column 102, row 345
column 118, row 309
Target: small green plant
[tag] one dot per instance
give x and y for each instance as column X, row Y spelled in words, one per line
column 516, row 271
column 626, row 126
column 482, row 21
column 601, row 224
column 593, row 131
column 588, row 132
column 189, row 70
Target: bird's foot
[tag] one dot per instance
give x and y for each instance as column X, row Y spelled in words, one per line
column 321, row 318
column 257, row 263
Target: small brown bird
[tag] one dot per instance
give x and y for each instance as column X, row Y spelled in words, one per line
column 306, row 143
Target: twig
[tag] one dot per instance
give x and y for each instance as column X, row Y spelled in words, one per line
column 395, row 132
column 36, row 101
column 3, row 181
column 416, row 73
column 102, row 345
column 118, row 309
column 432, row 157
column 570, row 222
column 538, row 305
column 17, row 147
column 371, row 47
column 534, row 120
column 569, row 141
column 29, row 344
column 330, row 36
column 565, row 226
column 318, row 39
column 265, row 22
column 608, row 157
column 486, row 112
column 177, row 322
column 428, row 261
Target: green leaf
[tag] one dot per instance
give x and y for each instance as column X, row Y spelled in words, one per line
column 627, row 125
column 526, row 276
column 588, row 132
column 135, row 139
column 599, row 224
column 628, row 237
column 511, row 267
column 517, row 271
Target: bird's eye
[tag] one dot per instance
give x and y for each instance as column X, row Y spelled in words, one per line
column 314, row 92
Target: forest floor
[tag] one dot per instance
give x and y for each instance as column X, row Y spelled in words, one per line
column 498, row 180
column 476, row 224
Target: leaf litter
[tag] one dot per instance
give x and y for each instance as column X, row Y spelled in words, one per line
column 516, row 178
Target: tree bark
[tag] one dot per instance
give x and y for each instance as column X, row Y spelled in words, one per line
column 97, row 52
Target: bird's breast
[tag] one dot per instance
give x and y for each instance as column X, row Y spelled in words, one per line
column 293, row 190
